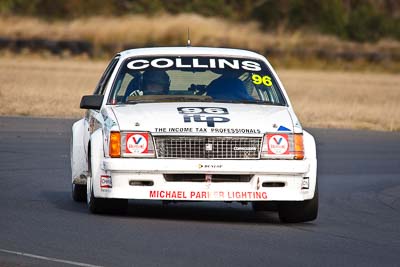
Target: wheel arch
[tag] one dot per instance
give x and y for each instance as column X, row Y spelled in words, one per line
column 95, row 156
column 309, row 145
column 310, row 154
column 77, row 153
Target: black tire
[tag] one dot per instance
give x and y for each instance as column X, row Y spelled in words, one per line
column 118, row 206
column 264, row 206
column 106, row 206
column 299, row 211
column 95, row 205
column 78, row 192
column 103, row 205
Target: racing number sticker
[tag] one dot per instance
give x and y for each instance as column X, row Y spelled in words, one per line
column 137, row 143
column 278, row 144
column 257, row 79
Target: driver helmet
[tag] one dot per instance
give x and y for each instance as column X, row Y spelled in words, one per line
column 155, row 82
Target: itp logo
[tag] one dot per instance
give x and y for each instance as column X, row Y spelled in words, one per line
column 137, row 143
column 210, row 115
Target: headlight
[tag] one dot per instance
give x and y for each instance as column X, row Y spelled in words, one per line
column 282, row 146
column 137, row 144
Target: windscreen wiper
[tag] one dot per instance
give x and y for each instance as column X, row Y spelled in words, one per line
column 168, row 98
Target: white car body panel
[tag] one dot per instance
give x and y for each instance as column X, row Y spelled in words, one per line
column 284, row 171
column 159, row 118
column 155, row 117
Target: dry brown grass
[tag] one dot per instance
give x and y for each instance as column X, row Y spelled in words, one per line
column 53, row 87
column 37, row 87
column 345, row 99
column 139, row 30
column 166, row 30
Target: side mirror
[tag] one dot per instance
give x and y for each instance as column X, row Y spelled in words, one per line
column 91, row 101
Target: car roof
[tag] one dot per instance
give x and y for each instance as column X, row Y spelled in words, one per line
column 189, row 50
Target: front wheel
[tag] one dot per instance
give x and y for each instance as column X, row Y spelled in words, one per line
column 104, row 205
column 95, row 205
column 299, row 211
column 264, row 206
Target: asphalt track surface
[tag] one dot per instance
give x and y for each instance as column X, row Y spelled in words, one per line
column 358, row 223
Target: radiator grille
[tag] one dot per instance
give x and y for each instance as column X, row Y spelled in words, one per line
column 205, row 147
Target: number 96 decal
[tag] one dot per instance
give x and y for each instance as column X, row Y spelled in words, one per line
column 258, row 79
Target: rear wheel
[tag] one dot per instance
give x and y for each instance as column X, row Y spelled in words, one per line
column 78, row 192
column 299, row 211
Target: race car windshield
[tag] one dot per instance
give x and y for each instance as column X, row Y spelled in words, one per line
column 195, row 79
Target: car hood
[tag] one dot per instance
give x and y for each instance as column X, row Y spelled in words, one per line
column 203, row 118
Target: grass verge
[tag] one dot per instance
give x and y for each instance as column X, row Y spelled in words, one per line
column 53, row 88
column 118, row 33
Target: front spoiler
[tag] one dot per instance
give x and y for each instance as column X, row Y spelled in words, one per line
column 206, row 166
column 123, row 172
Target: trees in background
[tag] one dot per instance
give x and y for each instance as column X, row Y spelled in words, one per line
column 359, row 20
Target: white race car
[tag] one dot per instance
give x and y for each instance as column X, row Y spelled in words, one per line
column 193, row 124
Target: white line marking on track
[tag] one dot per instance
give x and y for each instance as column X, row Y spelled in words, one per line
column 47, row 258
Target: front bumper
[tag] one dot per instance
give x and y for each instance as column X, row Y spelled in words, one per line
column 144, row 179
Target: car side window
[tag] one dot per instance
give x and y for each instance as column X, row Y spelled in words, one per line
column 106, row 76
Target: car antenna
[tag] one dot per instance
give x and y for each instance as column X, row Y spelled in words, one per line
column 188, row 38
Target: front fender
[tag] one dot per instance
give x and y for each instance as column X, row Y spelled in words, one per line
column 310, row 154
column 96, row 157
column 309, row 145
